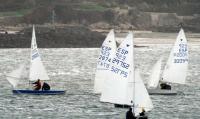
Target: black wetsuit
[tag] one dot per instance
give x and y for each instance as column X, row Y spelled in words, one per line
column 45, row 86
column 142, row 115
column 129, row 115
column 165, row 86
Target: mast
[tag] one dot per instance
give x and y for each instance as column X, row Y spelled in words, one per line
column 133, row 73
column 140, row 95
column 32, row 46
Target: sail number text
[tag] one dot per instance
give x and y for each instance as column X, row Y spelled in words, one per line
column 119, row 71
column 120, row 64
column 104, row 58
column 181, row 54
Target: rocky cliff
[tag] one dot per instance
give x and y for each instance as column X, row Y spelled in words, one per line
column 87, row 15
column 156, row 15
column 53, row 37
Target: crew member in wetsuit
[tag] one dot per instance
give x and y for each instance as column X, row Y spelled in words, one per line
column 165, row 86
column 129, row 114
column 37, row 85
column 45, row 86
column 143, row 112
column 143, row 115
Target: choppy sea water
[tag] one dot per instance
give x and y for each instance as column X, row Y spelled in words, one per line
column 73, row 69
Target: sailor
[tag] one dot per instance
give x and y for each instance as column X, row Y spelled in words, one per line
column 165, row 86
column 37, row 85
column 129, row 114
column 45, row 86
column 143, row 115
column 143, row 112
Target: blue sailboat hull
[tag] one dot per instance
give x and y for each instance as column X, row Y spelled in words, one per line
column 40, row 92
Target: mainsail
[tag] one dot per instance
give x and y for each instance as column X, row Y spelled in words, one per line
column 37, row 69
column 117, row 88
column 107, row 52
column 176, row 68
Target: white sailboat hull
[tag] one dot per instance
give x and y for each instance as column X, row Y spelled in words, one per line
column 162, row 92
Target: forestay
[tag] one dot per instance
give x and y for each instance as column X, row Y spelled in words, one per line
column 177, row 65
column 37, row 70
column 107, row 52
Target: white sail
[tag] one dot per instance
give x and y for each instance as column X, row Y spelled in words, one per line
column 14, row 77
column 176, row 68
column 155, row 74
column 118, row 88
column 37, row 70
column 141, row 96
column 107, row 52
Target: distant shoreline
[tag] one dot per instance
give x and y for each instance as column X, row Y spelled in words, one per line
column 81, row 37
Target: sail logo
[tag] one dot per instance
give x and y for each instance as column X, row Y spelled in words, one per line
column 35, row 55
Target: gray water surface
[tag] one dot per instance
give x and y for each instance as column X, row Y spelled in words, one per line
column 73, row 69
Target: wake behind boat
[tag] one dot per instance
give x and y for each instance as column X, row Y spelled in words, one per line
column 37, row 71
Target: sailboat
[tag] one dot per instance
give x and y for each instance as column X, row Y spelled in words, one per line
column 37, row 71
column 175, row 70
column 107, row 52
column 125, row 86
